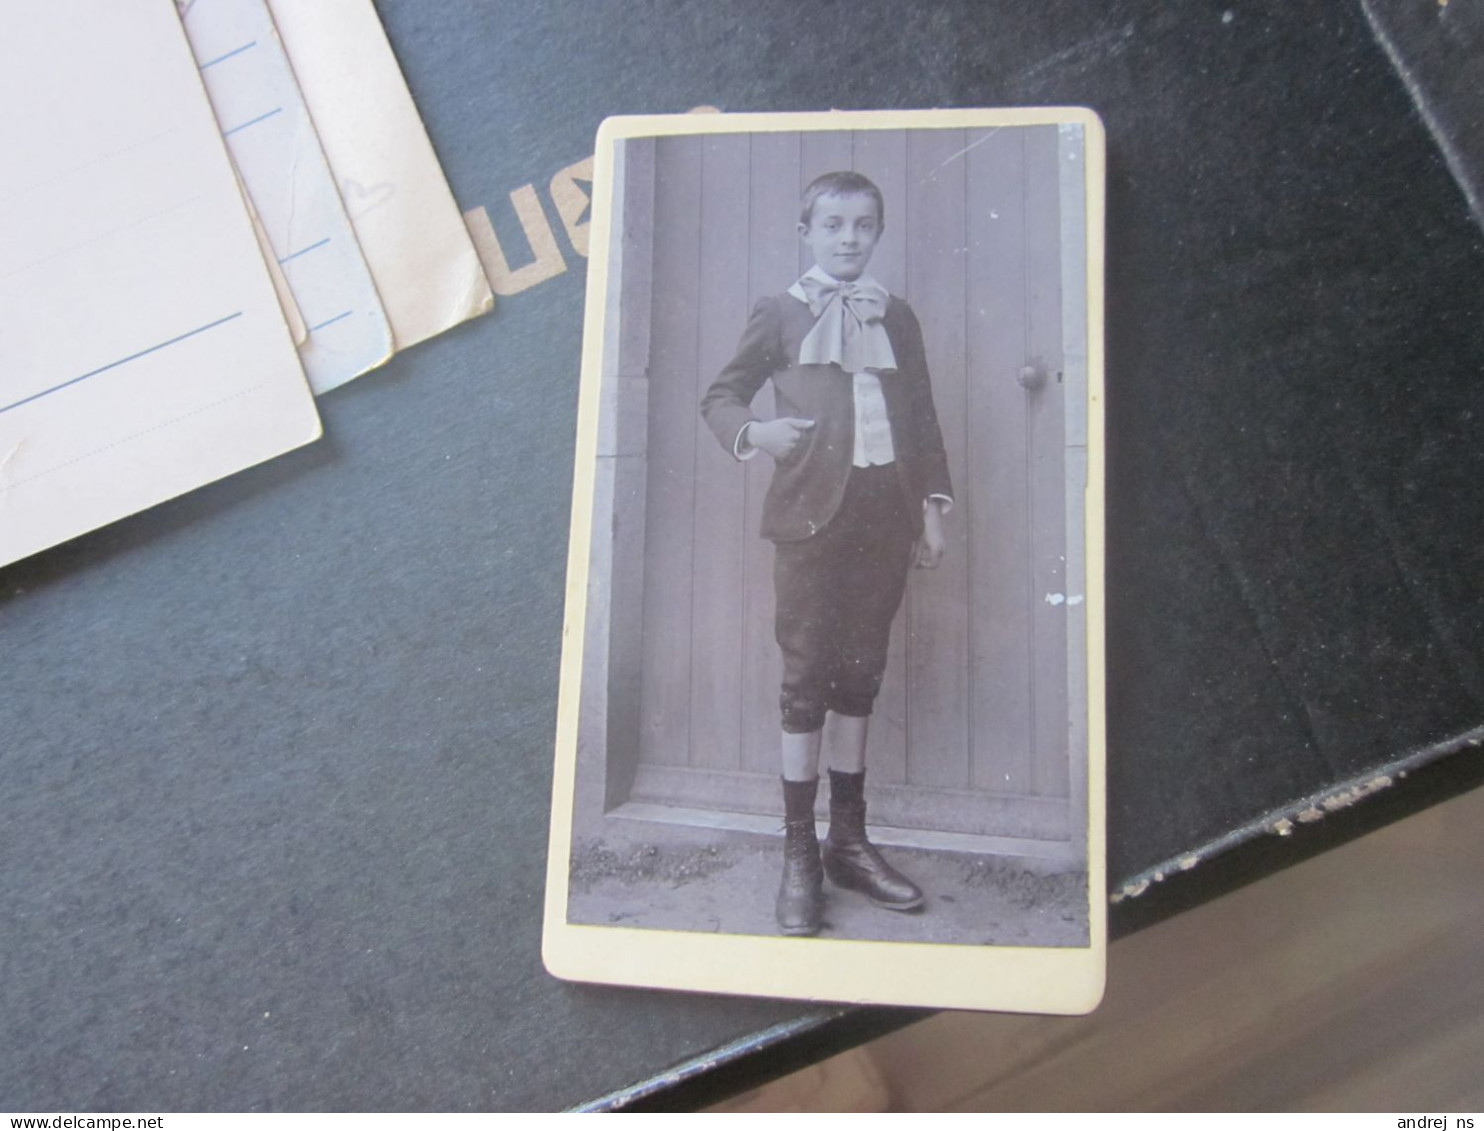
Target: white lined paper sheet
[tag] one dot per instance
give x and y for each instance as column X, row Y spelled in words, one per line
column 412, row 233
column 277, row 152
column 143, row 351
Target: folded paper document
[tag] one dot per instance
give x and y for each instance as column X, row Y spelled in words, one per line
column 273, row 142
column 410, row 230
column 143, row 351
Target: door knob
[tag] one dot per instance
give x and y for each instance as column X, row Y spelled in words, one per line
column 1031, row 378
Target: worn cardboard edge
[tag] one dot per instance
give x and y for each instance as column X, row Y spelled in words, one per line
column 696, row 1066
column 1458, row 165
column 1306, row 810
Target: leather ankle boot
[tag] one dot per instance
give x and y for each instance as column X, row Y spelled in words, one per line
column 800, row 905
column 851, row 861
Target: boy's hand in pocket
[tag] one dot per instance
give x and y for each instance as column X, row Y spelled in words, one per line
column 778, row 437
column 929, row 549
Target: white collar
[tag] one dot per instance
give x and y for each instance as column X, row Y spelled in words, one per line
column 819, row 274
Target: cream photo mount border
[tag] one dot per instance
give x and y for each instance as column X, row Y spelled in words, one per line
column 936, row 975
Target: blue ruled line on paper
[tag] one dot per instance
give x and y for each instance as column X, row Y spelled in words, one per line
column 302, row 250
column 328, row 321
column 228, row 55
column 122, row 361
column 253, row 122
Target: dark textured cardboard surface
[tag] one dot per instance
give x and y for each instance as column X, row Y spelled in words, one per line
column 277, row 755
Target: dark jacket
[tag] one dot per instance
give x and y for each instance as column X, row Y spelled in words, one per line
column 809, row 484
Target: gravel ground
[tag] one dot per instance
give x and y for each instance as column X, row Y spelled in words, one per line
column 727, row 884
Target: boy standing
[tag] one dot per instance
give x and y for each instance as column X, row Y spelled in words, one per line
column 860, row 487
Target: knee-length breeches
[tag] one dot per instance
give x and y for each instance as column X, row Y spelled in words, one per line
column 837, row 595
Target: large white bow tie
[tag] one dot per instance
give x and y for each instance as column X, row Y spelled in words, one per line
column 849, row 331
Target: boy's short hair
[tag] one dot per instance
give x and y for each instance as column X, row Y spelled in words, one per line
column 843, row 183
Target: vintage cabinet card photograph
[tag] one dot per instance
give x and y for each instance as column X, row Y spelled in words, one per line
column 831, row 715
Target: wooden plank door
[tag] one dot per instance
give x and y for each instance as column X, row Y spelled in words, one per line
column 970, row 731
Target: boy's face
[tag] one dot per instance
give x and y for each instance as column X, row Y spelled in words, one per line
column 842, row 233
